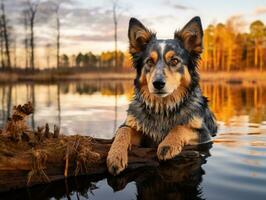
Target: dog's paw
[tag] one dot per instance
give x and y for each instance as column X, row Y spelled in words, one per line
column 116, row 162
column 167, row 152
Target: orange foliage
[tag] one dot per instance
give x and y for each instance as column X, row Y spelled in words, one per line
column 227, row 49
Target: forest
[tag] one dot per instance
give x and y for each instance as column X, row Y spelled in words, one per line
column 226, row 46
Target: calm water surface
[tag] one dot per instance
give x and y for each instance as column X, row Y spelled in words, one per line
column 233, row 168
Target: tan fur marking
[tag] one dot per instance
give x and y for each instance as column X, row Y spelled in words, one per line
column 167, row 102
column 143, row 78
column 131, row 121
column 169, row 55
column 154, row 56
column 174, row 142
column 117, row 157
column 186, row 78
column 196, row 122
column 173, row 78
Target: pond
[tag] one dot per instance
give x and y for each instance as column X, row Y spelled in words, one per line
column 233, row 168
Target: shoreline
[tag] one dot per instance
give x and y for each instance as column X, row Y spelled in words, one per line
column 228, row 77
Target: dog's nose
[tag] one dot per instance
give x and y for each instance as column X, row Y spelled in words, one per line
column 158, row 84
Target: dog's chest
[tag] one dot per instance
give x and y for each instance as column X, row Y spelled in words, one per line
column 155, row 125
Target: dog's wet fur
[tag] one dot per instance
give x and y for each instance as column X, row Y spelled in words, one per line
column 168, row 108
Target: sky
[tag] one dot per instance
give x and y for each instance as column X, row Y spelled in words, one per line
column 87, row 25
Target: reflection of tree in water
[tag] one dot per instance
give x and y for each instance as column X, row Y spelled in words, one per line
column 59, row 104
column 231, row 100
column 226, row 100
column 9, row 100
column 6, row 102
column 91, row 87
column 3, row 105
column 32, row 100
column 84, row 88
column 64, row 88
column 176, row 179
column 49, row 99
column 112, row 89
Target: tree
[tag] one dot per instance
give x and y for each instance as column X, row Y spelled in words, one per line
column 79, row 59
column 92, row 59
column 73, row 60
column 227, row 49
column 26, row 40
column 58, row 24
column 86, row 60
column 115, row 31
column 64, row 60
column 15, row 52
column 257, row 33
column 5, row 35
column 32, row 10
column 2, row 45
column 48, row 50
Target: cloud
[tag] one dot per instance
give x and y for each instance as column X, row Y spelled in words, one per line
column 86, row 37
column 171, row 4
column 260, row 10
column 78, row 23
column 181, row 7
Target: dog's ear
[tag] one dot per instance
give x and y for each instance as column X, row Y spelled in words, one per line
column 191, row 36
column 139, row 36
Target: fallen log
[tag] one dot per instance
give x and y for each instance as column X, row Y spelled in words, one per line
column 30, row 157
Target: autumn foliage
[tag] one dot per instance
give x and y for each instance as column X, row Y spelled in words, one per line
column 226, row 48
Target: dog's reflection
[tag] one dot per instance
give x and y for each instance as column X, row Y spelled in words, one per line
column 175, row 179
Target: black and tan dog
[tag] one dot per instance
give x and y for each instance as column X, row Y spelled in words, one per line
column 168, row 107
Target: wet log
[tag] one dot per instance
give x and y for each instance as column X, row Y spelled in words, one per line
column 29, row 157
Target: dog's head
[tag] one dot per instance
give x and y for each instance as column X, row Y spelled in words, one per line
column 165, row 65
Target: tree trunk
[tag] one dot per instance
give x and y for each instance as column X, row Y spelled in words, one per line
column 34, row 157
column 58, row 39
column 256, row 54
column 115, row 34
column 15, row 53
column 26, row 38
column 32, row 42
column 6, row 36
column 2, row 48
column 32, row 14
column 261, row 58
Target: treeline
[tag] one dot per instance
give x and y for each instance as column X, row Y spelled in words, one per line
column 226, row 46
column 227, row 49
column 103, row 60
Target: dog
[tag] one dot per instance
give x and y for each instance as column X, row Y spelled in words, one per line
column 168, row 109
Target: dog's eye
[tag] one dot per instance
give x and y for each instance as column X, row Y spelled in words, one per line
column 149, row 62
column 174, row 61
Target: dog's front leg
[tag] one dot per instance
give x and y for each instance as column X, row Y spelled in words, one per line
column 117, row 157
column 174, row 142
